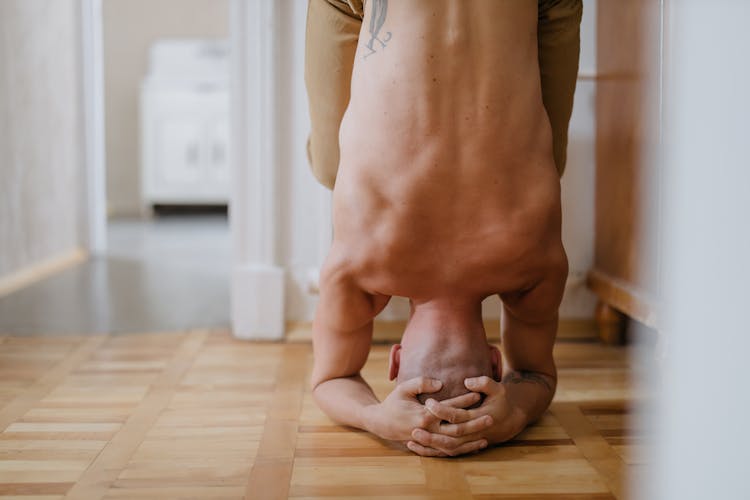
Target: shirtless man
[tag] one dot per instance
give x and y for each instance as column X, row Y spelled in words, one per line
column 447, row 192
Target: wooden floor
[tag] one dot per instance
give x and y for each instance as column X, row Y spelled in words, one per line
column 201, row 415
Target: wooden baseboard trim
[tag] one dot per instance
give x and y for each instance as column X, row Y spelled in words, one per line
column 40, row 270
column 624, row 298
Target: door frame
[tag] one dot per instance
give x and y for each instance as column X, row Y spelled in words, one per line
column 257, row 279
column 94, row 218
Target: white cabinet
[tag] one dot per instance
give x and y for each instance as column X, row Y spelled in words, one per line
column 218, row 144
column 184, row 138
column 177, row 151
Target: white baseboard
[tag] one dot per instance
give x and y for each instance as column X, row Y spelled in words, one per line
column 258, row 302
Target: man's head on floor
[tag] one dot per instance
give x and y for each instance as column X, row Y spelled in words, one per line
column 447, row 347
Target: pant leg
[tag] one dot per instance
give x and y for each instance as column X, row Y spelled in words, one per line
column 331, row 42
column 559, row 46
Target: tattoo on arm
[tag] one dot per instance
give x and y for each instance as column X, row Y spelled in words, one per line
column 520, row 376
column 377, row 19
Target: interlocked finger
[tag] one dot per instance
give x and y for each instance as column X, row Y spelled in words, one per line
column 463, row 401
column 469, row 447
column 424, row 450
column 419, row 385
column 448, row 413
column 472, row 426
column 446, row 444
column 483, row 384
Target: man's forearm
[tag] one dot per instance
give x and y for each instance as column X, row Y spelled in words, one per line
column 531, row 391
column 346, row 400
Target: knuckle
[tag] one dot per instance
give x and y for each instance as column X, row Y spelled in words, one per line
column 425, row 439
column 424, row 421
column 448, row 443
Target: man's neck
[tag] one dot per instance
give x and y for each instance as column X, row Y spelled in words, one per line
column 461, row 318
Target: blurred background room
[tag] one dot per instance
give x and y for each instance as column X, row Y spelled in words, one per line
column 142, row 189
column 161, row 236
column 145, row 187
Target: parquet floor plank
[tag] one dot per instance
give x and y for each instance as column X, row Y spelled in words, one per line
column 271, row 474
column 592, row 445
column 114, row 456
column 202, row 415
column 12, row 356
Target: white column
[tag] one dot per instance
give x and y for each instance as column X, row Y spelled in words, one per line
column 257, row 279
column 94, row 207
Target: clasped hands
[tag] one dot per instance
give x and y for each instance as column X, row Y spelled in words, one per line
column 446, row 428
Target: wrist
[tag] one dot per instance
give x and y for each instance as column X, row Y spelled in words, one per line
column 368, row 416
column 529, row 401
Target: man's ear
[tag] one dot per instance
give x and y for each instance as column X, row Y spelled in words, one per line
column 395, row 361
column 497, row 362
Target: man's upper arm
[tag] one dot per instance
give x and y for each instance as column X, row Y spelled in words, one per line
column 342, row 330
column 338, row 353
column 529, row 326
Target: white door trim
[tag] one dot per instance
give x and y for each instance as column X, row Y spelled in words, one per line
column 257, row 288
column 94, row 213
column 257, row 279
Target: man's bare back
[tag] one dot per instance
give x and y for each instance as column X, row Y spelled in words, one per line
column 447, row 184
column 446, row 193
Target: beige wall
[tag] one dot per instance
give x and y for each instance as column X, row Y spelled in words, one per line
column 41, row 133
column 130, row 27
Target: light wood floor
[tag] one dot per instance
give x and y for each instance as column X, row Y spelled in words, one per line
column 201, row 415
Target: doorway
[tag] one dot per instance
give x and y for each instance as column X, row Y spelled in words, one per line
column 156, row 85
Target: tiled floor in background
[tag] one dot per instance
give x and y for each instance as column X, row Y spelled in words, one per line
column 200, row 414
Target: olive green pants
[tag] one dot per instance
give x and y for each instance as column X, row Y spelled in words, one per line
column 331, row 41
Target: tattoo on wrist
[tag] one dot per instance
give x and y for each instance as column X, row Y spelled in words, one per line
column 520, row 376
column 377, row 19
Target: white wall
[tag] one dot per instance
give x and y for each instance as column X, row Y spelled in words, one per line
column 579, row 178
column 303, row 206
column 41, row 133
column 129, row 29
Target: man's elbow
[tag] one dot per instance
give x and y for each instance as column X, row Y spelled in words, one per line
column 320, row 375
column 316, row 379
